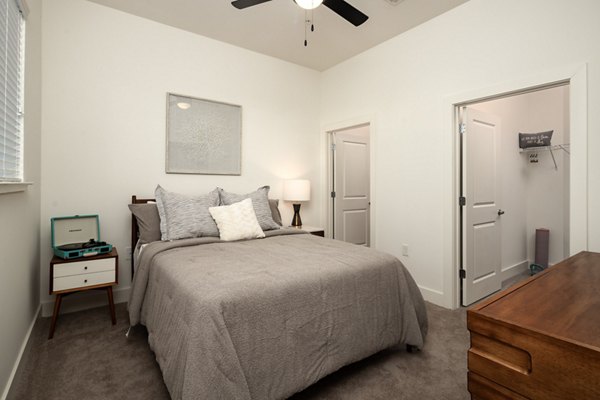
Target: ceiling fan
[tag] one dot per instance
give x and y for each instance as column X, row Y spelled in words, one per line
column 340, row 7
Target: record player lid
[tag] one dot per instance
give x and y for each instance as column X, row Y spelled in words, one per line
column 74, row 229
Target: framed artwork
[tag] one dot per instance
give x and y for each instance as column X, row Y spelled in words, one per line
column 203, row 136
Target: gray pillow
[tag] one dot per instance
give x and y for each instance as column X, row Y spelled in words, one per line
column 148, row 221
column 260, row 202
column 273, row 204
column 183, row 216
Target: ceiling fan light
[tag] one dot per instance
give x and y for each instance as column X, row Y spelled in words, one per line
column 309, row 4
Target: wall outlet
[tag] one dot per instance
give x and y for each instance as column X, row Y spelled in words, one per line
column 128, row 253
column 405, row 249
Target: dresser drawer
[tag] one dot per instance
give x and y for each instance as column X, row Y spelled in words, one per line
column 84, row 267
column 84, row 280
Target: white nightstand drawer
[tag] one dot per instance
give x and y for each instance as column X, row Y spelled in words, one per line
column 83, row 280
column 84, row 267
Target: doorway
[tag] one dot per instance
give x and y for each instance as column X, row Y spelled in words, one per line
column 350, row 194
column 506, row 192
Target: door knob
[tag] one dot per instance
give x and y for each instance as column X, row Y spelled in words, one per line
column 500, row 212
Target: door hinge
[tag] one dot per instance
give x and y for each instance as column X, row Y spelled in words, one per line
column 462, row 128
column 462, row 200
column 332, row 146
column 333, row 195
column 462, row 273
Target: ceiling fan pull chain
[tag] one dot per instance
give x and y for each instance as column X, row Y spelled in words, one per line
column 312, row 20
column 305, row 25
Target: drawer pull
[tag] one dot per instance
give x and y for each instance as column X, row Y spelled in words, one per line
column 85, row 281
column 85, row 267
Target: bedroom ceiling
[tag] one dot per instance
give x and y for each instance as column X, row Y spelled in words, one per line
column 276, row 28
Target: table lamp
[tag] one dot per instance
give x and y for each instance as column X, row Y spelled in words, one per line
column 296, row 190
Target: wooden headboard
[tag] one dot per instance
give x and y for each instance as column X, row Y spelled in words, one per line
column 135, row 233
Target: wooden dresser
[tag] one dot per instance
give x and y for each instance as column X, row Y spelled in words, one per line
column 539, row 339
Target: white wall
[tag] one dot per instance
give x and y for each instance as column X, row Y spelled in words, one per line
column 405, row 83
column 106, row 75
column 533, row 195
column 546, row 200
column 20, row 220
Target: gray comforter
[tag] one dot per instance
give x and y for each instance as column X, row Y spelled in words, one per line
column 263, row 319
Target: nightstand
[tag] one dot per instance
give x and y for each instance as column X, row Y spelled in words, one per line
column 313, row 230
column 85, row 273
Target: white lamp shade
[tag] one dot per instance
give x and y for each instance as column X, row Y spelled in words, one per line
column 309, row 4
column 296, row 190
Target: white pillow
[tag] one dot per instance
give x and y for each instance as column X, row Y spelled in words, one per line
column 237, row 221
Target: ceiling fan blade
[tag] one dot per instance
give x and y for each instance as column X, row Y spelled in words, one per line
column 240, row 4
column 346, row 11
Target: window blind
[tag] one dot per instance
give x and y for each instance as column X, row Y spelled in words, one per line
column 11, row 77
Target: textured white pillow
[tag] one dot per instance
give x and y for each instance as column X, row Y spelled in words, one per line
column 237, row 221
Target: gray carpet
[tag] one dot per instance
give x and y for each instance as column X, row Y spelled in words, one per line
column 91, row 359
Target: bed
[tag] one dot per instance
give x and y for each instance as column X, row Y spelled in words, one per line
column 266, row 318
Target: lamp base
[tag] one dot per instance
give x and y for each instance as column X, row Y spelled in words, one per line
column 296, row 221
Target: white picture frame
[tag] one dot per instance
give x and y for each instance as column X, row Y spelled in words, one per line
column 203, row 136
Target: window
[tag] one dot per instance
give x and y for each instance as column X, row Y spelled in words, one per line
column 11, row 90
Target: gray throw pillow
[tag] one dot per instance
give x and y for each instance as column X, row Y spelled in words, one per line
column 183, row 216
column 148, row 221
column 260, row 202
column 273, row 204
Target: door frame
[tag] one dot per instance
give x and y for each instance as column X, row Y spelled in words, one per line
column 576, row 78
column 327, row 170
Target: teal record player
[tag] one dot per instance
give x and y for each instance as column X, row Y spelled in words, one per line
column 77, row 236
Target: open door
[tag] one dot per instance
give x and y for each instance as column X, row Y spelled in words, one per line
column 351, row 183
column 481, row 212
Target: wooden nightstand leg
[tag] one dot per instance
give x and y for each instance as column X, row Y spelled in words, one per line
column 57, row 303
column 111, row 304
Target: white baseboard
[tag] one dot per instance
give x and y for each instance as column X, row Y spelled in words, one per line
column 85, row 300
column 433, row 296
column 24, row 347
column 513, row 270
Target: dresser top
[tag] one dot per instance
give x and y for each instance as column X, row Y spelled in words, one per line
column 562, row 302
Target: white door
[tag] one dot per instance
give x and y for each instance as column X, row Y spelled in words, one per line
column 481, row 214
column 351, row 204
